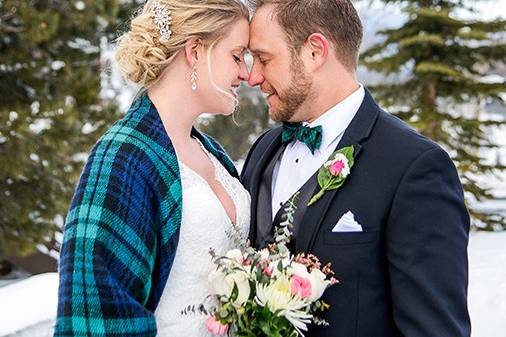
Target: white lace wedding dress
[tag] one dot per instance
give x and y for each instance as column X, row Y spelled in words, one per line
column 204, row 225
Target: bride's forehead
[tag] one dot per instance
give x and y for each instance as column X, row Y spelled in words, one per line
column 239, row 31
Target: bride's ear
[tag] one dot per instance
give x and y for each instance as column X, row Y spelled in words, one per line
column 193, row 51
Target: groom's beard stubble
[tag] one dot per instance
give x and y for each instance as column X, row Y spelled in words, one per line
column 296, row 93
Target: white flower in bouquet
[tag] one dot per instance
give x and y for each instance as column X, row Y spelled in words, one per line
column 317, row 279
column 318, row 284
column 235, row 256
column 275, row 265
column 223, row 284
column 298, row 269
column 278, row 297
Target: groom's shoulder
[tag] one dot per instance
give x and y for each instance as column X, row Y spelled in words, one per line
column 398, row 137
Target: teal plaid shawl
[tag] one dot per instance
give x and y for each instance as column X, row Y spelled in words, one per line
column 122, row 229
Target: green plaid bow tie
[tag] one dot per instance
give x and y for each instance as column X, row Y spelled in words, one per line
column 312, row 137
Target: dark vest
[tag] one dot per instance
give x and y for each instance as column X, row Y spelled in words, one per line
column 265, row 224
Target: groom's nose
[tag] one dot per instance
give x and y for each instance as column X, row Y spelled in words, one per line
column 255, row 77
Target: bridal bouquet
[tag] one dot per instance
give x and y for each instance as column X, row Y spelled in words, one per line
column 266, row 292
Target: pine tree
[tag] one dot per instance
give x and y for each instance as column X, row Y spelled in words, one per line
column 437, row 65
column 51, row 112
column 238, row 133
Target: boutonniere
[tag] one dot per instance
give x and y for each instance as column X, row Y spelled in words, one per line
column 333, row 173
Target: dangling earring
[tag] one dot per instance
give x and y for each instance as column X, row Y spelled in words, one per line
column 193, row 77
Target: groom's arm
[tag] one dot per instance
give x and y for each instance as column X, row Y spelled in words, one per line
column 427, row 237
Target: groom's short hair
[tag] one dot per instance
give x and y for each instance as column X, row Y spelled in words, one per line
column 337, row 20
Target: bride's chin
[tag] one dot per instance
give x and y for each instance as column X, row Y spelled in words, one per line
column 228, row 104
column 232, row 106
column 227, row 111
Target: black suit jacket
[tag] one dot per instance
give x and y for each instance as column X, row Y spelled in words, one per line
column 406, row 274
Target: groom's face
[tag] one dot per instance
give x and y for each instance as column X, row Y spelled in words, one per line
column 278, row 71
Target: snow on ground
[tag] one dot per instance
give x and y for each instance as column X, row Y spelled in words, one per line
column 487, row 284
column 28, row 302
column 29, row 306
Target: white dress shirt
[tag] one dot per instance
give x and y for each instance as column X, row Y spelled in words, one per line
column 297, row 164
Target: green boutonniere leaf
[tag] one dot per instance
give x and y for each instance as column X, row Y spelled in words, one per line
column 334, row 172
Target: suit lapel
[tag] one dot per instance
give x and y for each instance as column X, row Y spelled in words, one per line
column 358, row 130
column 273, row 144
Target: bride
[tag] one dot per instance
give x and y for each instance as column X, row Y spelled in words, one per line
column 156, row 194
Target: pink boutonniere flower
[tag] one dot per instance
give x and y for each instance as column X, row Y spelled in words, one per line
column 334, row 172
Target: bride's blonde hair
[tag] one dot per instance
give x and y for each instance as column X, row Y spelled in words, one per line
column 140, row 54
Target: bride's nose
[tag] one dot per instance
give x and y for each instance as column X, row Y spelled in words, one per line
column 243, row 72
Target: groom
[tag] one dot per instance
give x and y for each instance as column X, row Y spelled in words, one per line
column 396, row 231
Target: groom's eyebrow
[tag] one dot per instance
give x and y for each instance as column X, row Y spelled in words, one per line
column 257, row 52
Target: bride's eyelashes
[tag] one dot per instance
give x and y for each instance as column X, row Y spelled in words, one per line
column 237, row 59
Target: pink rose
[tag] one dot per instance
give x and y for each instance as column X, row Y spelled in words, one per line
column 336, row 168
column 215, row 327
column 300, row 286
column 267, row 271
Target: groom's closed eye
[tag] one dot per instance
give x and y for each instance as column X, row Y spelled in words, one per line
column 263, row 61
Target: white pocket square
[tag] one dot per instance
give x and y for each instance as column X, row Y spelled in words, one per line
column 347, row 223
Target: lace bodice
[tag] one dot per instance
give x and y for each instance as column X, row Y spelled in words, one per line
column 204, row 225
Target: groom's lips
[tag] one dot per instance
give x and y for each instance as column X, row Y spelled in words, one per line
column 267, row 90
column 269, row 94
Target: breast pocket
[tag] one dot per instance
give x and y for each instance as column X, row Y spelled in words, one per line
column 350, row 238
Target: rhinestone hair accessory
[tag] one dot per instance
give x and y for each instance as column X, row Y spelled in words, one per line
column 162, row 20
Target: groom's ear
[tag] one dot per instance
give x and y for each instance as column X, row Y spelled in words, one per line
column 318, row 47
column 193, row 51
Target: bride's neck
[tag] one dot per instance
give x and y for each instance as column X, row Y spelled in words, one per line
column 177, row 108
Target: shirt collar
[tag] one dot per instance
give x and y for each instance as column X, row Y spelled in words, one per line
column 335, row 121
